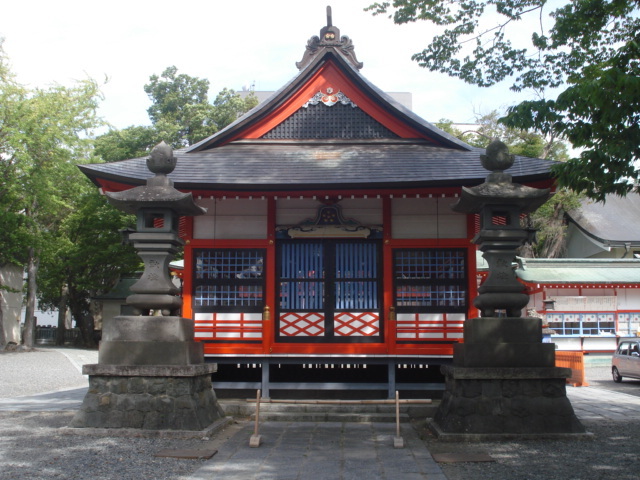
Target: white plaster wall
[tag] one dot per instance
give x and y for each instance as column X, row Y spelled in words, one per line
column 628, row 299
column 292, row 211
column 367, row 211
column 242, row 219
column 11, row 303
column 426, row 218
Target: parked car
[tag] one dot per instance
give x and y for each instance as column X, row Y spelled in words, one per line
column 626, row 360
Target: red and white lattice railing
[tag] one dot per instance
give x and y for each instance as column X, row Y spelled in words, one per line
column 429, row 326
column 308, row 324
column 356, row 324
column 345, row 324
column 228, row 326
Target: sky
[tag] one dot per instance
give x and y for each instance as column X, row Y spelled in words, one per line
column 233, row 45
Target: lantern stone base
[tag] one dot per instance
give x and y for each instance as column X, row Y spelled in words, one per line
column 504, row 383
column 150, row 375
column 149, row 397
column 149, row 340
column 488, row 403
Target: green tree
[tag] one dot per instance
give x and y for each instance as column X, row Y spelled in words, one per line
column 180, row 110
column 43, row 134
column 180, row 114
column 588, row 50
column 229, row 106
column 86, row 259
column 130, row 142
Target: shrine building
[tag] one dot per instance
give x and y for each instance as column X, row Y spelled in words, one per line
column 329, row 257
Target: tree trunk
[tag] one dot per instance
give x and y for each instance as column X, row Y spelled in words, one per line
column 29, row 332
column 3, row 337
column 83, row 319
column 85, row 323
column 62, row 315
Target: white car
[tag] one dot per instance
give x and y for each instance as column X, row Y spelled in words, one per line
column 626, row 360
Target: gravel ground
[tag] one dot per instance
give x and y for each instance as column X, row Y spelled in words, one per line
column 612, row 453
column 34, row 446
column 40, row 371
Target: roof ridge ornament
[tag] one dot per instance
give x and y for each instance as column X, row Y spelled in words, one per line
column 329, row 38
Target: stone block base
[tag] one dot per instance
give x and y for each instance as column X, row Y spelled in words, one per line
column 145, row 340
column 151, row 353
column 172, row 398
column 497, row 402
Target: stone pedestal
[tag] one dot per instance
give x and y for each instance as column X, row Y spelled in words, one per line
column 504, row 383
column 484, row 403
column 503, row 342
column 150, row 376
column 144, row 340
column 149, row 398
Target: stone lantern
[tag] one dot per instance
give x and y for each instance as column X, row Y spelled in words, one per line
column 157, row 207
column 500, row 203
column 151, row 372
column 503, row 381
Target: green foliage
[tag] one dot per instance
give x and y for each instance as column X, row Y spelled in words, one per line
column 549, row 221
column 181, row 113
column 600, row 114
column 590, row 49
column 86, row 254
column 131, row 142
column 170, row 93
column 53, row 220
column 520, row 142
column 228, row 106
column 43, row 134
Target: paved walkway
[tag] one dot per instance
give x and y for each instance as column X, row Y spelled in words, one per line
column 333, row 450
column 597, row 404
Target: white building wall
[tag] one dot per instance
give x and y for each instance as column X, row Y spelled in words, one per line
column 412, row 218
column 625, row 302
column 426, row 218
column 293, row 211
column 239, row 219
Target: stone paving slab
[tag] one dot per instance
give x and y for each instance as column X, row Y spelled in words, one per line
column 329, row 450
column 594, row 403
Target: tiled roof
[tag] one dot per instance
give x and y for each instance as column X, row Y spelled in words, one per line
column 264, row 165
column 599, row 271
column 370, row 141
column 615, row 222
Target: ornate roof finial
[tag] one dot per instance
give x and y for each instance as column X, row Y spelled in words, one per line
column 329, row 38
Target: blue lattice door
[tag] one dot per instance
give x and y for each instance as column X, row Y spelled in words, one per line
column 329, row 291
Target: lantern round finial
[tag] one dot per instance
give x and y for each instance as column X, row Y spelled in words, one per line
column 498, row 157
column 161, row 160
